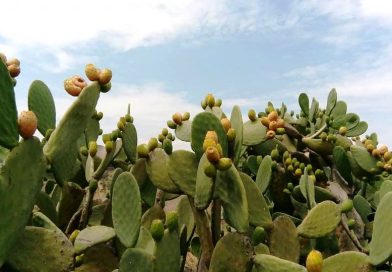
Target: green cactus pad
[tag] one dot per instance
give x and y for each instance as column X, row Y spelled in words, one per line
column 319, row 146
column 358, row 130
column 55, row 251
column 230, row 190
column 183, row 131
column 253, row 133
column 158, row 172
column 385, row 188
column 363, row 158
column 381, row 245
column 314, row 107
column 92, row 130
column 129, row 138
column 259, row 214
column 342, row 163
column 204, row 185
column 40, row 101
column 9, row 131
column 238, row 126
column 269, row 263
column 331, row 101
column 38, row 219
column 303, row 101
column 99, row 258
column 137, row 260
column 321, row 220
column 20, row 182
column 145, row 241
column 233, row 252
column 339, row 109
column 167, row 253
column 126, row 209
column 92, row 236
column 283, row 239
column 347, row 261
column 202, row 123
column 264, row 174
column 363, row 207
column 185, row 216
column 182, row 169
column 307, row 189
column 61, row 148
column 46, row 206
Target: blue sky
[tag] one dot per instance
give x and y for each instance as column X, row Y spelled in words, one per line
column 166, row 55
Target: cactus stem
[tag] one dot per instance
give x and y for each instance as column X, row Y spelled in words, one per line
column 216, row 212
column 318, row 132
column 352, row 236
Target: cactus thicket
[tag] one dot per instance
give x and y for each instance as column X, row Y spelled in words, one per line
column 274, row 191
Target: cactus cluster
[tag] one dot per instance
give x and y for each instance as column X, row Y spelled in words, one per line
column 277, row 192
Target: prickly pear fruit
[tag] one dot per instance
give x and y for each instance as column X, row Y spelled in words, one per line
column 314, row 261
column 92, row 148
column 258, row 235
column 218, row 102
column 226, row 124
column 186, row 116
column 105, row 88
column 207, row 143
column 265, row 121
column 280, row 123
column 351, row 223
column 210, row 100
column 92, row 72
column 224, row 164
column 157, row 229
column 172, row 220
column 108, row 146
column 280, row 131
column 231, row 135
column 273, row 125
column 343, row 130
column 270, row 134
column 83, row 150
column 252, row 115
column 142, row 151
column 171, row 124
column 152, row 144
column 212, row 135
column 74, row 85
column 27, row 123
column 177, row 118
column 347, row 205
column 14, row 70
column 273, row 115
column 210, row 171
column 105, row 76
column 212, row 154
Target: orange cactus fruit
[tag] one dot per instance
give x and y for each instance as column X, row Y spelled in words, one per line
column 27, row 123
column 74, row 85
column 314, row 261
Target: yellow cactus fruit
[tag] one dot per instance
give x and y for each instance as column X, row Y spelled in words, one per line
column 14, row 70
column 105, row 76
column 231, row 134
column 314, row 261
column 270, row 134
column 210, row 100
column 252, row 115
column 343, row 130
column 212, row 135
column 280, row 123
column 265, row 121
column 177, row 118
column 207, row 143
column 273, row 125
column 226, row 124
column 273, row 115
column 387, row 156
column 375, row 153
column 224, row 164
column 92, row 72
column 383, row 149
column 186, row 116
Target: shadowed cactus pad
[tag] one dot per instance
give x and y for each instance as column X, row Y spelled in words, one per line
column 268, row 263
column 347, row 261
column 91, row 236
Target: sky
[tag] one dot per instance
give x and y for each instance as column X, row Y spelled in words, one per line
column 166, row 55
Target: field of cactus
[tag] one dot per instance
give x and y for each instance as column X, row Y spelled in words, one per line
column 273, row 191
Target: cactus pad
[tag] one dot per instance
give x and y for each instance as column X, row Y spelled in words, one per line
column 237, row 124
column 92, row 236
column 269, row 263
column 347, row 261
column 129, row 138
column 264, row 174
column 204, row 185
column 253, row 132
column 126, row 209
column 320, row 220
column 183, row 131
column 135, row 259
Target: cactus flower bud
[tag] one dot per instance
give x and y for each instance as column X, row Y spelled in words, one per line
column 314, row 261
column 275, row 154
column 74, row 85
column 92, row 72
column 27, row 123
column 347, row 206
column 105, row 76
